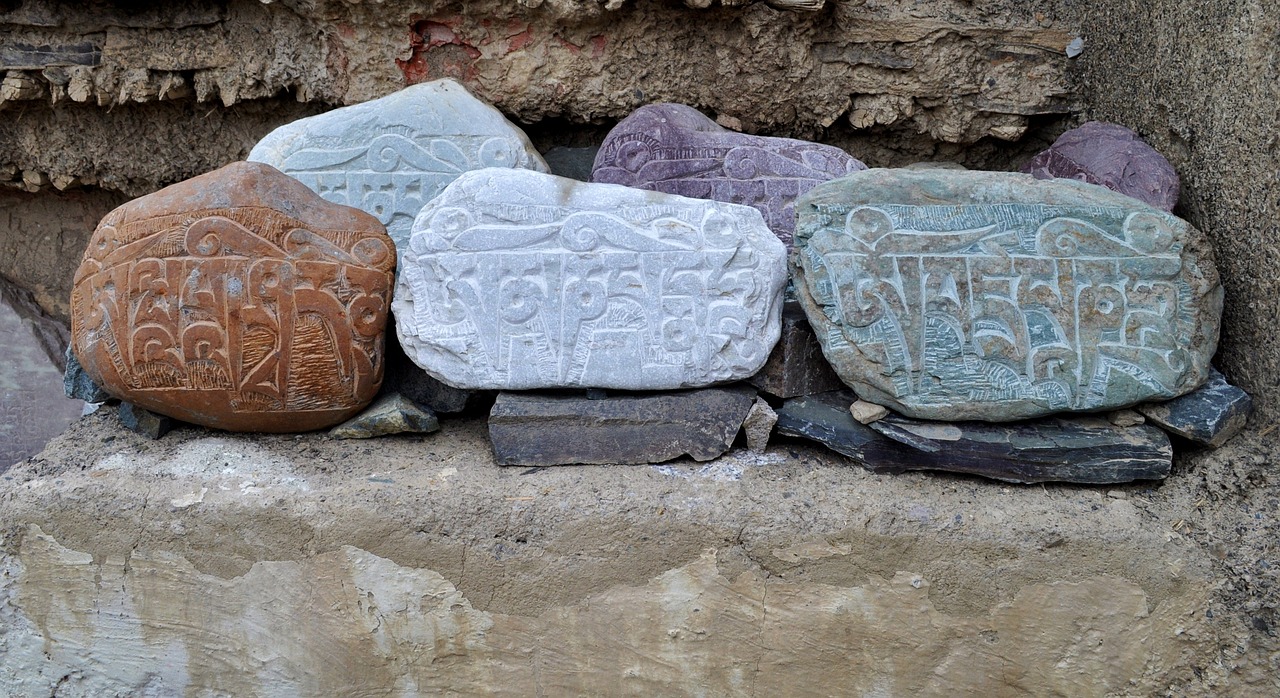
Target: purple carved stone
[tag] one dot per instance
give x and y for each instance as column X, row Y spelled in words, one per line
column 675, row 149
column 1112, row 156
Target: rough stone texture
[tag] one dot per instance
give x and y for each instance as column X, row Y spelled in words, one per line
column 32, row 408
column 1080, row 449
column 675, row 149
column 1211, row 414
column 796, row 366
column 758, row 425
column 144, row 422
column 866, row 412
column 534, row 429
column 238, row 300
column 1205, row 103
column 77, row 385
column 317, row 570
column 517, row 280
column 390, row 156
column 1111, row 156
column 995, row 296
column 390, row 414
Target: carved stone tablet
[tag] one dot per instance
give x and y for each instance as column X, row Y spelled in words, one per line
column 1112, row 156
column 994, row 296
column 517, row 280
column 390, row 156
column 239, row 300
column 676, row 149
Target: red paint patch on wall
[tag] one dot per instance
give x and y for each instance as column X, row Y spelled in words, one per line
column 437, row 51
column 597, row 46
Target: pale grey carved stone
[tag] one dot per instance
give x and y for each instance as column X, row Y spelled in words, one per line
column 994, row 296
column 516, row 280
column 390, row 156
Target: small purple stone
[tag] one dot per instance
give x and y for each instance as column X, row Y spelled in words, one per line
column 1112, row 156
column 675, row 149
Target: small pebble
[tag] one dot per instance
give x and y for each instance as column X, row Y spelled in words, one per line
column 867, row 412
column 1126, row 418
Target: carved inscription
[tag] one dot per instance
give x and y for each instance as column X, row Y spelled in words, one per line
column 239, row 318
column 390, row 156
column 577, row 284
column 1009, row 310
column 675, row 149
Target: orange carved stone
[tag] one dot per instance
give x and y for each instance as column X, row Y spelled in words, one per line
column 239, row 300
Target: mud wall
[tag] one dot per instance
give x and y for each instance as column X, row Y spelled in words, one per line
column 1200, row 81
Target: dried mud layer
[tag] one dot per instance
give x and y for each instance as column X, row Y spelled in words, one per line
column 300, row 565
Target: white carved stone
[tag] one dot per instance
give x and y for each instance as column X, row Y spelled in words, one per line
column 390, row 156
column 516, row 280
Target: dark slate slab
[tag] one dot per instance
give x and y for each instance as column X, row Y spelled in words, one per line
column 574, row 163
column 676, row 149
column 796, row 366
column 144, row 422
column 1081, row 449
column 1210, row 415
column 548, row 429
column 1112, row 156
column 78, row 385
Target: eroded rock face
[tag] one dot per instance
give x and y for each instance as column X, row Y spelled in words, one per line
column 238, row 300
column 1112, row 156
column 390, row 156
column 993, row 296
column 517, row 280
column 675, row 149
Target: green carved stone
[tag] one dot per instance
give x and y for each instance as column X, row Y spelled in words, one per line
column 993, row 296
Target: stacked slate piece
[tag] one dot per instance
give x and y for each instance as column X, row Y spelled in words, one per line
column 703, row 283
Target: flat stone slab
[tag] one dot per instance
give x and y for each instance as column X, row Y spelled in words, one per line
column 994, row 296
column 1111, row 156
column 1209, row 415
column 237, row 300
column 533, row 429
column 796, row 366
column 389, row 414
column 390, row 156
column 676, row 149
column 1081, row 449
column 518, row 280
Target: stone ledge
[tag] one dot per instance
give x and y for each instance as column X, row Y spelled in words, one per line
column 308, row 565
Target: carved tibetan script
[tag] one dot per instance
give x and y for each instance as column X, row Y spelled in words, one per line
column 636, row 291
column 240, row 318
column 1024, row 308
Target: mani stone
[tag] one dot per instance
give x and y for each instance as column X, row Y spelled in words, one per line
column 1111, row 156
column 238, row 300
column 536, row 429
column 1210, row 415
column 995, row 296
column 1073, row 448
column 390, row 414
column 796, row 366
column 390, row 156
column 675, row 149
column 518, row 280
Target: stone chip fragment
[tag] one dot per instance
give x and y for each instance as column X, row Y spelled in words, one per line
column 994, row 296
column 1210, row 415
column 517, row 280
